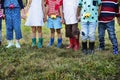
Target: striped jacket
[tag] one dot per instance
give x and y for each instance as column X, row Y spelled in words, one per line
column 109, row 10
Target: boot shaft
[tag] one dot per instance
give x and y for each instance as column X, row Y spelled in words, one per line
column 76, row 44
column 40, row 42
column 34, row 40
column 51, row 42
column 59, row 42
column 71, row 45
column 91, row 45
column 84, row 45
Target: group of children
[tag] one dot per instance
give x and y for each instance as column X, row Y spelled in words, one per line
column 56, row 12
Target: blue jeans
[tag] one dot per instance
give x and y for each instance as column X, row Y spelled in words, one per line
column 0, row 29
column 111, row 32
column 88, row 30
column 13, row 23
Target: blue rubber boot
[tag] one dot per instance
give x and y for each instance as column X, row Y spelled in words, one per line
column 59, row 43
column 51, row 42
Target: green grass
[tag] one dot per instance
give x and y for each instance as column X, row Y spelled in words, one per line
column 30, row 63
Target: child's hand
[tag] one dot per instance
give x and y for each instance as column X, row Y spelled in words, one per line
column 23, row 16
column 45, row 18
column 3, row 16
column 62, row 20
column 118, row 20
column 78, row 18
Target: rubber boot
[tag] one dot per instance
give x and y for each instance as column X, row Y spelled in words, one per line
column 51, row 42
column 91, row 47
column 84, row 47
column 76, row 44
column 59, row 43
column 33, row 42
column 40, row 42
column 71, row 45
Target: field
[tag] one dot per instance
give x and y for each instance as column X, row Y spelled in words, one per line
column 47, row 63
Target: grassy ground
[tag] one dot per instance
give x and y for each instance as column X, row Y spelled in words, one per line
column 30, row 63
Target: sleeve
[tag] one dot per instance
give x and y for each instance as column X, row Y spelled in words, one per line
column 80, row 3
column 117, row 10
column 47, row 2
column 2, row 4
column 61, row 2
column 21, row 4
column 99, row 2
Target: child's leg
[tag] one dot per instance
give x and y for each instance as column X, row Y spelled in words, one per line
column 39, row 32
column 33, row 36
column 92, row 31
column 112, row 36
column 69, row 34
column 59, row 38
column 51, row 37
column 40, row 39
column 16, row 23
column 34, row 32
column 59, row 33
column 76, row 32
column 9, row 27
column 101, row 35
column 84, row 34
column 52, row 33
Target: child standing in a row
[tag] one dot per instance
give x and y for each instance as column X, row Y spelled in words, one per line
column 55, row 19
column 35, row 20
column 109, row 10
column 13, row 20
column 89, row 12
column 71, row 23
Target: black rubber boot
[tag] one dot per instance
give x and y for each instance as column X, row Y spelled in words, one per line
column 84, row 47
column 91, row 47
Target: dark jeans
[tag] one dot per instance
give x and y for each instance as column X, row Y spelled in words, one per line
column 110, row 27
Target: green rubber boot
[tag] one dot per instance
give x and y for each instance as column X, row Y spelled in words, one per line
column 33, row 42
column 40, row 42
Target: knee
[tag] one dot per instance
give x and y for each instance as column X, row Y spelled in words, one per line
column 112, row 36
column 58, row 31
column 84, row 36
column 76, row 31
column 39, row 30
column 52, row 31
column 92, row 37
column 34, row 29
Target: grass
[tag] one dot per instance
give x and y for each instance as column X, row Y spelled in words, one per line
column 47, row 63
